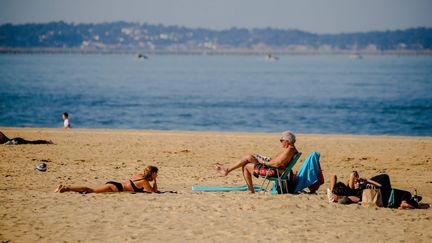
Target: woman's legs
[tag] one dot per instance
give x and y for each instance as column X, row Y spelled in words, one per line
column 83, row 189
column 241, row 163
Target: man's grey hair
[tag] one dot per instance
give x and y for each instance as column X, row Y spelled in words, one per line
column 289, row 136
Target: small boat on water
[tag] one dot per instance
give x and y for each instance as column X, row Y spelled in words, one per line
column 141, row 56
column 271, row 57
column 356, row 56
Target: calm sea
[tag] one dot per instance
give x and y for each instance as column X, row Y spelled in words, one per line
column 389, row 95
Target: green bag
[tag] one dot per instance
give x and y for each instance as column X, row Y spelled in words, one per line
column 391, row 202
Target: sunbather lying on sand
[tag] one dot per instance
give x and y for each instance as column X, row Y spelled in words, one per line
column 353, row 190
column 137, row 183
column 14, row 141
column 259, row 165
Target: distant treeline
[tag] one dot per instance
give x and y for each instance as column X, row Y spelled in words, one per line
column 124, row 35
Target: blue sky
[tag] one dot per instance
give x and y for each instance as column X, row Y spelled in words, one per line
column 321, row 16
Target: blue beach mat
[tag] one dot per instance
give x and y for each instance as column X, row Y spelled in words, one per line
column 224, row 188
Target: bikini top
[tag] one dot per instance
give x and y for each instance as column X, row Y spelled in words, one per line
column 134, row 187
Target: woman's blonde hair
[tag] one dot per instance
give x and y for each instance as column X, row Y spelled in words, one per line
column 352, row 180
column 149, row 170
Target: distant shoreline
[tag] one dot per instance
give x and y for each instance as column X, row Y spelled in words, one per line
column 212, row 52
column 204, row 52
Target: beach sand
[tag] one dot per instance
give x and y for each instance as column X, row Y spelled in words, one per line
column 31, row 211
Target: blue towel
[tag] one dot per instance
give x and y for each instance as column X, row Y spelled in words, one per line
column 309, row 172
column 224, row 188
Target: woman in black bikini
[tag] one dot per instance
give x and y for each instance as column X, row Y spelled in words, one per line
column 137, row 183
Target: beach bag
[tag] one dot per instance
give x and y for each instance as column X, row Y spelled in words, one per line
column 372, row 197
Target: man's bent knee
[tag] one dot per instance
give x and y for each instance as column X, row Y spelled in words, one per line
column 250, row 158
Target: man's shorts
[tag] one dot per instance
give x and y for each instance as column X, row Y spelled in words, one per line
column 263, row 171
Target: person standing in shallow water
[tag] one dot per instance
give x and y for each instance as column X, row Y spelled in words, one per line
column 66, row 123
column 258, row 165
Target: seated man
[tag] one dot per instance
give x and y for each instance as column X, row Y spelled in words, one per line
column 258, row 165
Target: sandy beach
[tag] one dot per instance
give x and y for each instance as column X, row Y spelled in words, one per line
column 31, row 211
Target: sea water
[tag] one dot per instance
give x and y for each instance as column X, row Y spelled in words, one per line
column 385, row 95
